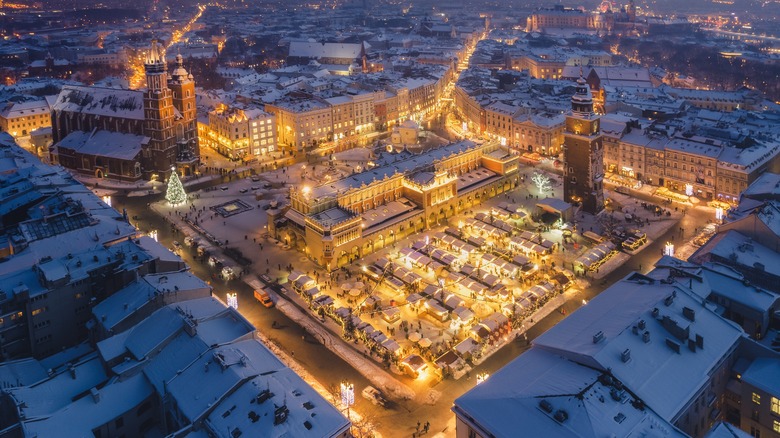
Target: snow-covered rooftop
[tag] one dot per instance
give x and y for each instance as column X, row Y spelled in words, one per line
column 764, row 373
column 665, row 379
column 543, row 394
column 105, row 144
column 389, row 165
column 110, row 102
column 307, row 413
column 148, row 288
column 312, row 49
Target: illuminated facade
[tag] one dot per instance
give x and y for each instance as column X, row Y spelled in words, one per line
column 567, row 18
column 239, row 134
column 21, row 119
column 341, row 221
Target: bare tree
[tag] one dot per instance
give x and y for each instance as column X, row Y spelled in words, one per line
column 542, row 181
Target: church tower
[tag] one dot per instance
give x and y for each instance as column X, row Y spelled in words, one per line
column 182, row 85
column 159, row 117
column 583, row 153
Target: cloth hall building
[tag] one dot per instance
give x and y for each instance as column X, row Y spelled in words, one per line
column 341, row 221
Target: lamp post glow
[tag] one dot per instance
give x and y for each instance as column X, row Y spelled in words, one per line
column 347, row 395
column 481, row 377
column 669, row 249
column 153, row 235
column 232, row 300
column 107, row 200
column 719, row 214
column 689, row 189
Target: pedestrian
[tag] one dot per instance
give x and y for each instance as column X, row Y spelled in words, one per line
column 418, row 425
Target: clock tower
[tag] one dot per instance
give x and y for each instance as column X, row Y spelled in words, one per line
column 583, row 153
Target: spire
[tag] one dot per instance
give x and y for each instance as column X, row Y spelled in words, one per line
column 582, row 100
column 155, row 59
column 179, row 72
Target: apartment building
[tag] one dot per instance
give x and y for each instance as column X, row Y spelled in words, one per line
column 21, row 119
column 240, row 133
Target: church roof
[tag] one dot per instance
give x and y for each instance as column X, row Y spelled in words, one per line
column 109, row 102
column 306, row 49
column 105, row 144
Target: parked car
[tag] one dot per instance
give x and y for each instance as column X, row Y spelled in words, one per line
column 255, row 178
column 228, row 273
column 264, row 297
column 223, row 188
column 374, row 396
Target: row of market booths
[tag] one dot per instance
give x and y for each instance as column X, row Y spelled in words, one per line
column 525, row 242
column 483, row 333
column 595, row 257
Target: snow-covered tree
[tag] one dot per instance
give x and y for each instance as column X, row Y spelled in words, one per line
column 542, row 182
column 175, row 194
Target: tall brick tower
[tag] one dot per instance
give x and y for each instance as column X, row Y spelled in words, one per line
column 583, row 153
column 182, row 85
column 159, row 117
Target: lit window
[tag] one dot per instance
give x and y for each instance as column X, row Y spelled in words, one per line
column 776, row 425
column 775, row 405
column 756, row 398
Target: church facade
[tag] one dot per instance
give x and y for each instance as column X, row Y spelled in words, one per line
column 130, row 134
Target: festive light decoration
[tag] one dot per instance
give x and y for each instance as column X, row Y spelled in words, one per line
column 347, row 395
column 232, row 300
column 669, row 249
column 542, row 181
column 175, row 193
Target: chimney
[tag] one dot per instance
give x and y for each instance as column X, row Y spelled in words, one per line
column 95, row 394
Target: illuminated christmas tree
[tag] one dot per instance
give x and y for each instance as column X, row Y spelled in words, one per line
column 175, row 194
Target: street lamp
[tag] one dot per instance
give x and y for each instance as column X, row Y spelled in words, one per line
column 718, row 213
column 107, row 200
column 481, row 377
column 347, row 395
column 689, row 189
column 153, row 235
